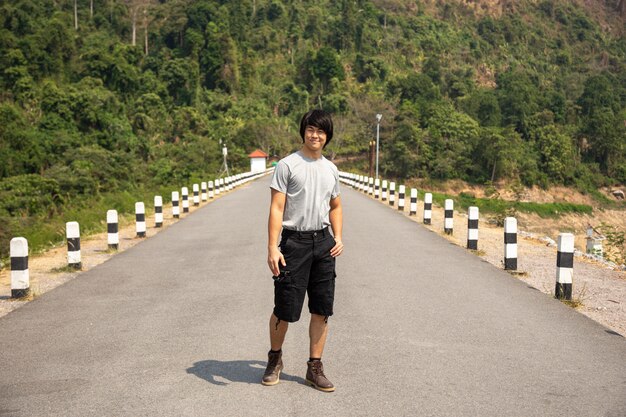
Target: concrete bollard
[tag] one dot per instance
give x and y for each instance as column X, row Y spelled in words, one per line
column 384, row 196
column 564, row 266
column 376, row 188
column 140, row 219
column 217, row 186
column 185, row 195
column 222, row 189
column 203, row 191
column 370, row 188
column 428, row 208
column 392, row 193
column 211, row 191
column 72, row 232
column 448, row 221
column 113, row 235
column 20, row 276
column 196, row 194
column 361, row 183
column 366, row 181
column 158, row 211
column 175, row 206
column 401, row 192
column 413, row 203
column 510, row 243
column 472, row 228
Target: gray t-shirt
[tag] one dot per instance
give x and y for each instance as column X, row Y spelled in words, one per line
column 309, row 185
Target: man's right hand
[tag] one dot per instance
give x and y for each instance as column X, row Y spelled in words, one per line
column 274, row 256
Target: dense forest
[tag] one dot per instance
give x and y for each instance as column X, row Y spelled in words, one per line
column 101, row 97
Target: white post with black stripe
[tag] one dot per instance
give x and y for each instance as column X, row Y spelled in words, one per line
column 158, row 211
column 362, row 180
column 185, row 194
column 510, row 244
column 20, row 276
column 72, row 232
column 113, row 235
column 392, row 193
column 175, row 204
column 196, row 194
column 370, row 189
column 222, row 189
column 564, row 266
column 211, row 191
column 140, row 219
column 217, row 186
column 401, row 192
column 413, row 204
column 203, row 191
column 384, row 196
column 366, row 181
column 472, row 228
column 448, row 221
column 376, row 188
column 428, row 208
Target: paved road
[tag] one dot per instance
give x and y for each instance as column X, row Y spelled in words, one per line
column 177, row 326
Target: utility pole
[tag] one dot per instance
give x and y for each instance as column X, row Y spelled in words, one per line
column 372, row 154
column 378, row 117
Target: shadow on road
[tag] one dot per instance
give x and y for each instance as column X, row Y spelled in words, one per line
column 225, row 372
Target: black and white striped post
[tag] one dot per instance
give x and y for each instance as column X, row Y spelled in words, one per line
column 370, row 189
column 185, row 194
column 227, row 183
column 401, row 192
column 384, row 190
column 203, row 190
column 140, row 219
column 20, row 277
column 376, row 188
column 113, row 235
column 472, row 228
column 448, row 221
column 211, row 191
column 196, row 194
column 362, row 183
column 175, row 204
column 366, row 181
column 564, row 266
column 222, row 189
column 72, row 232
column 428, row 208
column 392, row 193
column 413, row 203
column 158, row 211
column 510, row 243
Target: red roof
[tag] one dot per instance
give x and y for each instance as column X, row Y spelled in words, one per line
column 258, row 154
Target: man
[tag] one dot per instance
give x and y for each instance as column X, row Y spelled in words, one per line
column 305, row 201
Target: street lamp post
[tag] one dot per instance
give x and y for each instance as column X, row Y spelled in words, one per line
column 378, row 117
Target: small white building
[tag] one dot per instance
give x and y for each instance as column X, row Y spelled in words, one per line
column 258, row 161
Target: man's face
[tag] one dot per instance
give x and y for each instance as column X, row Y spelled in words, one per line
column 314, row 138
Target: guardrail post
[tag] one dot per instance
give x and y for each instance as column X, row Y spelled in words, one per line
column 203, row 190
column 472, row 228
column 564, row 266
column 158, row 211
column 185, row 194
column 448, row 222
column 413, row 203
column 140, row 219
column 20, row 276
column 510, row 243
column 401, row 193
column 175, row 205
column 113, row 236
column 72, row 231
column 196, row 196
column 392, row 193
column 384, row 190
column 428, row 208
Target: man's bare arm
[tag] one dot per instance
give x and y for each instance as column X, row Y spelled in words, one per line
column 275, row 222
column 336, row 223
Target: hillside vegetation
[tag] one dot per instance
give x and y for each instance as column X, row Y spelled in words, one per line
column 106, row 101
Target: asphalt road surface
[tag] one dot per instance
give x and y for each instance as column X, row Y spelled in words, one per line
column 177, row 326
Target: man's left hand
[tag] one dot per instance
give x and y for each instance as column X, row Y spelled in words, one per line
column 337, row 249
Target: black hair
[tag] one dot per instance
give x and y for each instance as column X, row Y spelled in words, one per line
column 320, row 119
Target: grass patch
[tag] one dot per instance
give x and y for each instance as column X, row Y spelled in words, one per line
column 66, row 268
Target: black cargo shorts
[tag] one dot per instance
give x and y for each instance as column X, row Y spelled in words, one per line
column 310, row 269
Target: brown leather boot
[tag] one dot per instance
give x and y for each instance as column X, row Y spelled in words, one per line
column 274, row 366
column 316, row 378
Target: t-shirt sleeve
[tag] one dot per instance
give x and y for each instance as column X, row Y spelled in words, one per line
column 280, row 179
column 336, row 190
